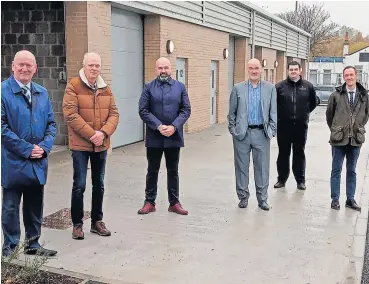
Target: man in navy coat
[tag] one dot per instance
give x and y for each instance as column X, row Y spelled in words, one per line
column 164, row 107
column 28, row 132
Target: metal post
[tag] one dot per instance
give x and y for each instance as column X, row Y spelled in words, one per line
column 253, row 34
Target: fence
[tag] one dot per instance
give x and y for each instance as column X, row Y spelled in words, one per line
column 335, row 79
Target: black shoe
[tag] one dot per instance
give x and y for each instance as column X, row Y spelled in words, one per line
column 301, row 186
column 353, row 205
column 335, row 205
column 243, row 203
column 264, row 206
column 40, row 251
column 280, row 184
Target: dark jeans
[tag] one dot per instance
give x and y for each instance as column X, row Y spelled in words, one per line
column 80, row 163
column 33, row 197
column 338, row 155
column 291, row 134
column 171, row 159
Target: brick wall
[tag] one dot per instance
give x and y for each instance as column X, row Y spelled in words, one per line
column 241, row 59
column 39, row 28
column 282, row 66
column 99, row 34
column 199, row 45
column 151, row 45
column 88, row 29
column 270, row 55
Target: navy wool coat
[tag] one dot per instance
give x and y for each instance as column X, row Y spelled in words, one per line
column 164, row 103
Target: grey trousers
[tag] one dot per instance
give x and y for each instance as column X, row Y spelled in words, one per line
column 258, row 143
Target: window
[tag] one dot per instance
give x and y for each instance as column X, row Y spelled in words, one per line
column 359, row 69
column 339, row 79
column 265, row 74
column 327, row 77
column 313, row 77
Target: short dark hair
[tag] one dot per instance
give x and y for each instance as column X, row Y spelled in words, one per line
column 293, row 63
column 349, row 67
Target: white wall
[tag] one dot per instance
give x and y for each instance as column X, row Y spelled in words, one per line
column 336, row 72
column 353, row 60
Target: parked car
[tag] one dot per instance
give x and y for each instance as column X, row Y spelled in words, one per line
column 323, row 92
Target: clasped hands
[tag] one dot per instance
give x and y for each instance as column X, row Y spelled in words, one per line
column 167, row 130
column 98, row 138
column 37, row 152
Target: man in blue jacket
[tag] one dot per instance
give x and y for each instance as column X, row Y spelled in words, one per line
column 165, row 107
column 27, row 134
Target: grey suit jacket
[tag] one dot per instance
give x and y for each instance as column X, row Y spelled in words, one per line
column 238, row 115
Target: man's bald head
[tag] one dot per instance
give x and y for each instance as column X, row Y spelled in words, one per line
column 254, row 69
column 24, row 66
column 163, row 68
column 92, row 66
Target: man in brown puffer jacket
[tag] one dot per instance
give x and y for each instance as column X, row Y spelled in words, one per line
column 92, row 117
column 347, row 114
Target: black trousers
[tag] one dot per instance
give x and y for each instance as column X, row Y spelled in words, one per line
column 171, row 159
column 291, row 134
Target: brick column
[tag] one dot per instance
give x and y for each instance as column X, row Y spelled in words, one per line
column 241, row 59
column 88, row 29
column 282, row 66
column 304, row 71
column 152, row 46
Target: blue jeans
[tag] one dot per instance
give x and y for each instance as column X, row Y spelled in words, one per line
column 338, row 155
column 33, row 197
column 80, row 163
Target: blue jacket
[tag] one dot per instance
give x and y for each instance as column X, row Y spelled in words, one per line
column 23, row 125
column 168, row 104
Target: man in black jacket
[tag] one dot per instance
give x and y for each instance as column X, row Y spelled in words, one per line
column 296, row 99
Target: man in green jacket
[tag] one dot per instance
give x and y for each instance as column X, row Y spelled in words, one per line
column 347, row 113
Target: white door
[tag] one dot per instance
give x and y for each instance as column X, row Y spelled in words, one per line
column 181, row 70
column 127, row 74
column 213, row 92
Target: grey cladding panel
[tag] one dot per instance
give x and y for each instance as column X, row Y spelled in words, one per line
column 225, row 15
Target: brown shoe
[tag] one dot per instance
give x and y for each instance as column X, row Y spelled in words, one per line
column 78, row 232
column 177, row 208
column 147, row 208
column 100, row 229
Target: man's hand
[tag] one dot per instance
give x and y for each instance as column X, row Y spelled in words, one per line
column 37, row 152
column 170, row 129
column 98, row 138
column 162, row 128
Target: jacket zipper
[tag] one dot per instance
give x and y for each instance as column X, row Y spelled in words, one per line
column 294, row 101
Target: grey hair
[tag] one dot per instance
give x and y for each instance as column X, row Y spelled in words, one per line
column 87, row 55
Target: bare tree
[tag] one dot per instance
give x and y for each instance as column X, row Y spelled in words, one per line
column 315, row 20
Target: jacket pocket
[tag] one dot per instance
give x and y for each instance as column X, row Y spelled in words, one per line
column 360, row 135
column 336, row 134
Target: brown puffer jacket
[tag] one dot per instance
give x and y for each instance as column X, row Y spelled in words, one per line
column 87, row 111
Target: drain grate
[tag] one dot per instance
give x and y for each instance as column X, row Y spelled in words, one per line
column 61, row 219
column 94, row 282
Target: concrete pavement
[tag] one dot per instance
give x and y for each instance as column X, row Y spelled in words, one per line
column 300, row 240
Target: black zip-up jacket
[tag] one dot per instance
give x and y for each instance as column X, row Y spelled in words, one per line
column 295, row 101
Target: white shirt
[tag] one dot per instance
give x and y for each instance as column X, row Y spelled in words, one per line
column 28, row 87
column 348, row 93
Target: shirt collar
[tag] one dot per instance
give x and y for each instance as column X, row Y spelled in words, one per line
column 250, row 84
column 22, row 85
column 353, row 90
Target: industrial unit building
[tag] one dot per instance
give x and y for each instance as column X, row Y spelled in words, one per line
column 208, row 43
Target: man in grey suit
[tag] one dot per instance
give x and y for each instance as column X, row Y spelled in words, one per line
column 252, row 121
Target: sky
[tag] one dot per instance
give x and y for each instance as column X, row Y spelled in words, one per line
column 354, row 14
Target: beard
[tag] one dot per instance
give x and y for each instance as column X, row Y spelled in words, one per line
column 164, row 77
